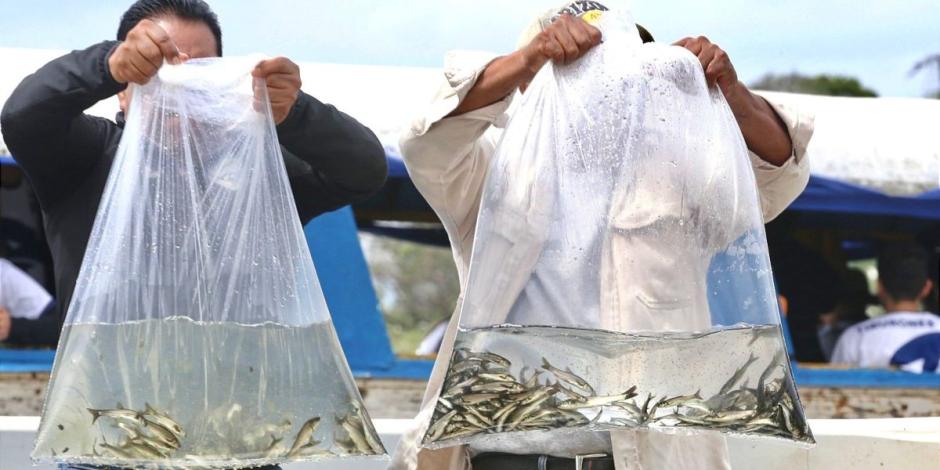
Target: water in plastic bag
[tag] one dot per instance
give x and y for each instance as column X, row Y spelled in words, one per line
column 198, row 335
column 620, row 277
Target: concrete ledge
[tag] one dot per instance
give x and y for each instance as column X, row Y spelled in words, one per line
column 860, row 444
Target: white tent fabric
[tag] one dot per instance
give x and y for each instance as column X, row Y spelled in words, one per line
column 381, row 97
column 887, row 144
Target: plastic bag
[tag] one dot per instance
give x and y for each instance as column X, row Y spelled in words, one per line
column 620, row 277
column 198, row 335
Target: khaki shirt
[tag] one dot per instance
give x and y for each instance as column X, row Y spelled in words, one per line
column 447, row 159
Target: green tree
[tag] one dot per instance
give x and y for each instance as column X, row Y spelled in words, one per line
column 832, row 85
column 416, row 284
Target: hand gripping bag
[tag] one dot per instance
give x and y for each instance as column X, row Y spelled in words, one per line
column 620, row 277
column 198, row 335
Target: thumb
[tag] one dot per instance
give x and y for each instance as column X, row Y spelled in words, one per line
column 183, row 57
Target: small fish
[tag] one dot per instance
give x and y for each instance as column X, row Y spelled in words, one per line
column 162, row 434
column 475, row 421
column 356, row 435
column 492, row 357
column 437, row 429
column 458, row 433
column 624, row 422
column 119, row 413
column 630, row 407
column 535, row 395
column 678, row 400
column 497, row 377
column 468, row 367
column 304, row 435
column 274, row 448
column 774, row 364
column 455, row 389
column 475, row 398
column 597, row 401
column 165, row 422
column 737, row 375
column 146, row 448
column 571, row 393
column 567, row 376
column 521, row 414
column 487, row 422
column 732, row 416
column 497, row 387
column 696, row 404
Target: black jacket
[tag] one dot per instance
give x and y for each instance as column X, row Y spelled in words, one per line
column 332, row 160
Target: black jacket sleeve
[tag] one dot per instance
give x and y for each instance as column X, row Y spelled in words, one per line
column 42, row 331
column 44, row 126
column 332, row 160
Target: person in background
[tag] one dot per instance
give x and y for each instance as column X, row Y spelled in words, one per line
column 331, row 159
column 447, row 151
column 854, row 299
column 906, row 336
column 26, row 316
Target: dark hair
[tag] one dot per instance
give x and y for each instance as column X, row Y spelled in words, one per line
column 195, row 10
column 644, row 34
column 902, row 270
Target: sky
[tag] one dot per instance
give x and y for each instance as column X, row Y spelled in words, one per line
column 876, row 41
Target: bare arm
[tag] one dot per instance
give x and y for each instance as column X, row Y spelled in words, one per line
column 764, row 131
column 566, row 40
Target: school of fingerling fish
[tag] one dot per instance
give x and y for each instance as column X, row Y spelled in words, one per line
column 480, row 395
column 152, row 435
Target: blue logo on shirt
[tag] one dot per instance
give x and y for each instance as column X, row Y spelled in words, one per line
column 925, row 347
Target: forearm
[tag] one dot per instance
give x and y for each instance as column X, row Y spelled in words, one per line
column 47, row 101
column 500, row 78
column 764, row 132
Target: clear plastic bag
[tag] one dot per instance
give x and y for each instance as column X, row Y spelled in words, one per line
column 198, row 335
column 620, row 277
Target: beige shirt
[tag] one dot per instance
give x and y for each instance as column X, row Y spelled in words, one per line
column 447, row 159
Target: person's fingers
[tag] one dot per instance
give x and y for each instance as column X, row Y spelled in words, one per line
column 134, row 74
column 142, row 65
column 184, row 57
column 579, row 33
column 167, row 47
column 275, row 65
column 149, row 51
column 567, row 43
column 695, row 45
column 682, row 42
column 283, row 81
column 552, row 49
column 705, row 56
column 587, row 36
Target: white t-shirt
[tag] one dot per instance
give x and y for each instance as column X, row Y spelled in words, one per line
column 20, row 294
column 876, row 342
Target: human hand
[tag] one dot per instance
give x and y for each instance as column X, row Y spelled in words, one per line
column 5, row 324
column 715, row 62
column 563, row 42
column 282, row 79
column 141, row 55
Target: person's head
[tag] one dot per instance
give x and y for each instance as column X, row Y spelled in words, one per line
column 902, row 276
column 191, row 24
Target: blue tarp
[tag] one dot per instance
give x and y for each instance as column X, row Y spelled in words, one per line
column 828, row 195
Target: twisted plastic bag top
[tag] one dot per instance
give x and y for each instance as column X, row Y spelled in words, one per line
column 198, row 335
column 620, row 274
